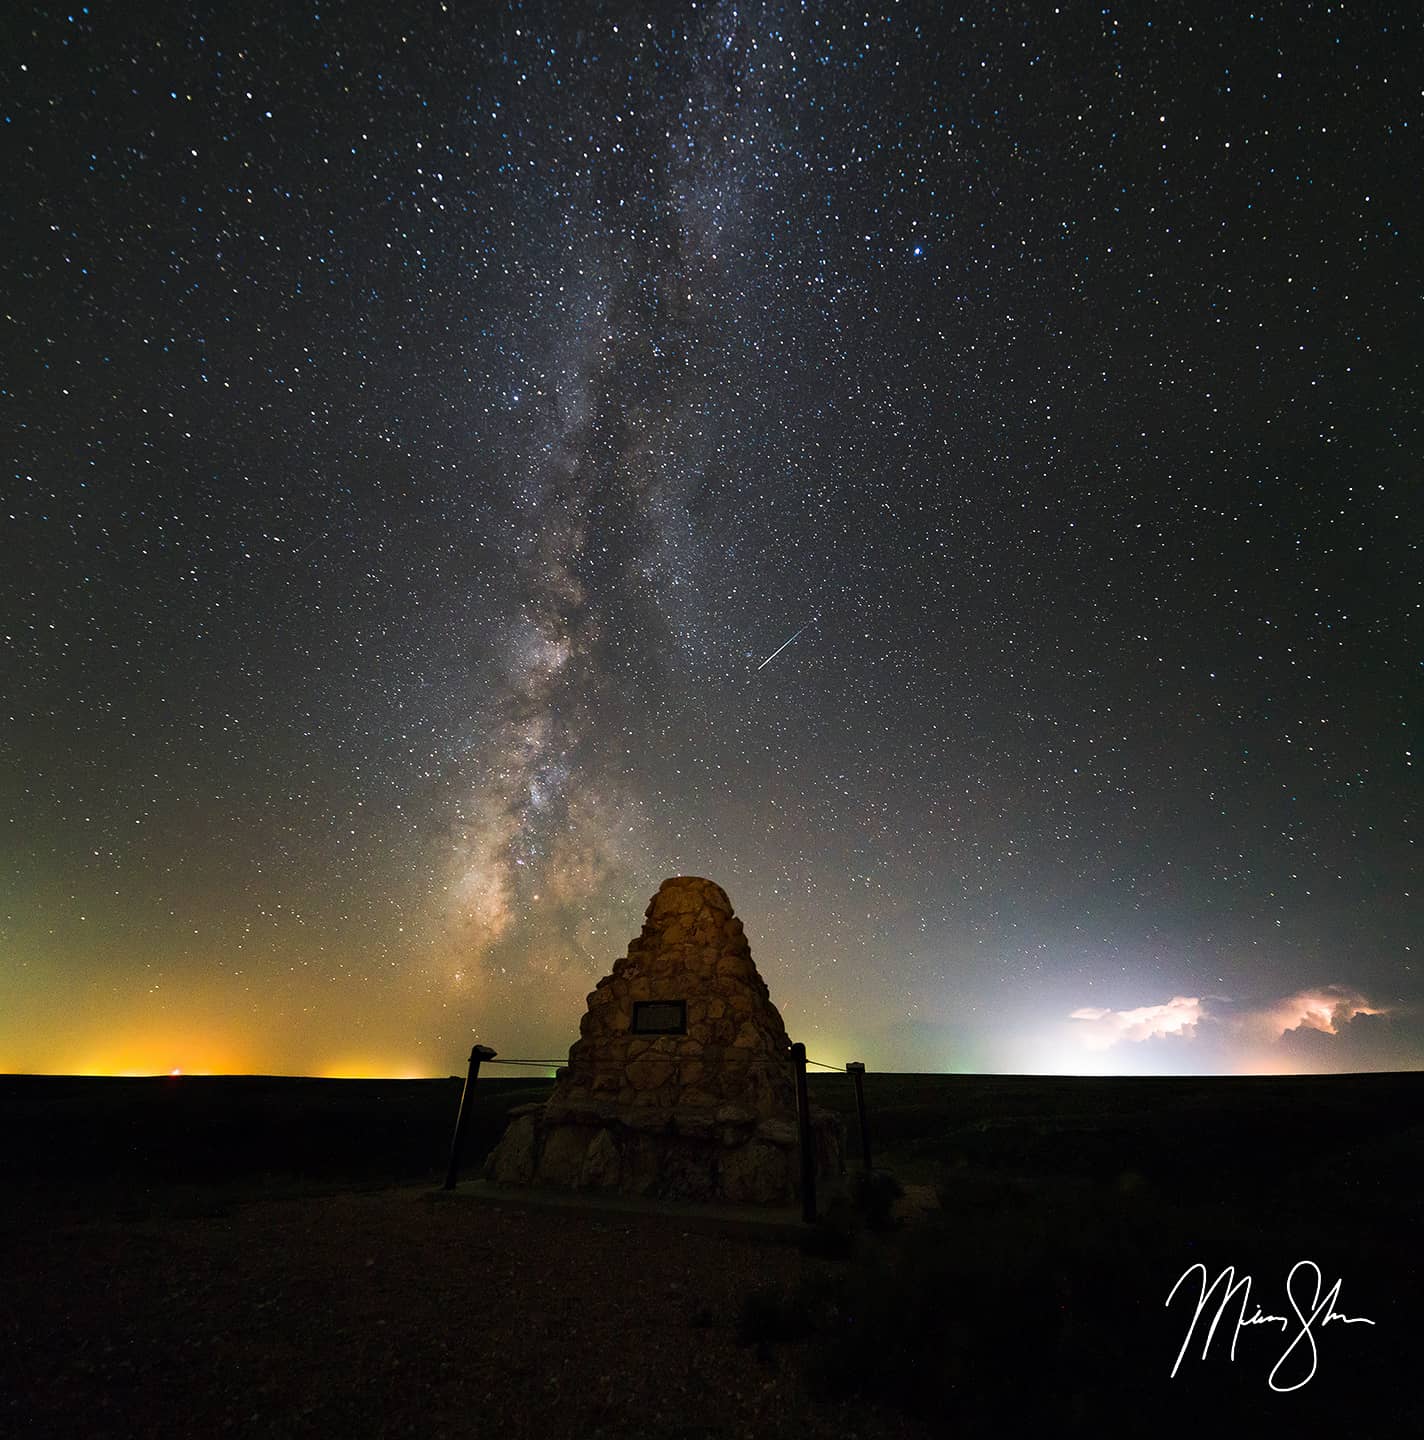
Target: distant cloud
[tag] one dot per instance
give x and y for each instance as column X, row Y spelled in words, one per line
column 1326, row 1008
column 1104, row 1028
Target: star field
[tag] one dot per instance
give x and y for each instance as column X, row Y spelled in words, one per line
column 426, row 422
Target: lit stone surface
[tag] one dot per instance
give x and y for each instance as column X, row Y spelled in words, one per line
column 709, row 1114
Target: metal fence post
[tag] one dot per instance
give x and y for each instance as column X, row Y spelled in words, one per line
column 467, row 1104
column 808, row 1140
column 856, row 1070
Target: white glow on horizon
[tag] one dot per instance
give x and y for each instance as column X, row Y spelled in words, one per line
column 1101, row 1028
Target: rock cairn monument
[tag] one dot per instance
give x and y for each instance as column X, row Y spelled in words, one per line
column 681, row 1084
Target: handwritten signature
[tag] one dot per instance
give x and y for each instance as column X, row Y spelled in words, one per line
column 1226, row 1287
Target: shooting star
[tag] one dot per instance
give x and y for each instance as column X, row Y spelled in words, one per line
column 783, row 646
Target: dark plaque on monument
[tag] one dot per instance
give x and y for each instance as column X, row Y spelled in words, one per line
column 660, row 1017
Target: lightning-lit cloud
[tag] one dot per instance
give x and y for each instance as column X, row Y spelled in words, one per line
column 1251, row 1033
column 1326, row 1008
column 1102, row 1028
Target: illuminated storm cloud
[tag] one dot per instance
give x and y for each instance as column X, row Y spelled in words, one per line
column 1325, row 1008
column 1102, row 1028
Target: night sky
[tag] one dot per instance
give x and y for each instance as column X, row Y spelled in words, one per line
column 424, row 421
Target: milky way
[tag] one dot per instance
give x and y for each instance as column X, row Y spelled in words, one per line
column 427, row 425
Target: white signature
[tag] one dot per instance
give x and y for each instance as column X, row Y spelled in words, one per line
column 1301, row 1345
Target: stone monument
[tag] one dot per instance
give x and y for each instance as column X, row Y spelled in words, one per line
column 680, row 1085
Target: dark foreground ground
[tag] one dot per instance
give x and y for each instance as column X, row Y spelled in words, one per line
column 261, row 1257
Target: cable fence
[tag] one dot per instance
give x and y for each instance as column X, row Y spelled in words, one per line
column 730, row 1059
column 753, row 1060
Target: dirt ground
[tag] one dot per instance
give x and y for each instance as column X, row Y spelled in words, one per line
column 382, row 1313
column 260, row 1256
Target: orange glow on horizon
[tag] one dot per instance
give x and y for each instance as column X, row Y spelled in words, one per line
column 373, row 1071
column 144, row 1053
column 358, row 1069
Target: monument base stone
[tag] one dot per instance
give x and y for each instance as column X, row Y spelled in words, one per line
column 689, row 1156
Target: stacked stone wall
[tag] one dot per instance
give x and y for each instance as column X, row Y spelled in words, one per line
column 706, row 1114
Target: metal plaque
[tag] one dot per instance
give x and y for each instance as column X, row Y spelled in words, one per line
column 660, row 1017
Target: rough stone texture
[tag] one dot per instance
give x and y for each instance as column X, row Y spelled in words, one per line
column 516, row 1153
column 706, row 1115
column 601, row 1163
column 692, row 948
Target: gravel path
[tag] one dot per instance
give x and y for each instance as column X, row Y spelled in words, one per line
column 383, row 1314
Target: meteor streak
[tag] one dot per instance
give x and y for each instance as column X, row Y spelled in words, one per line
column 780, row 648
